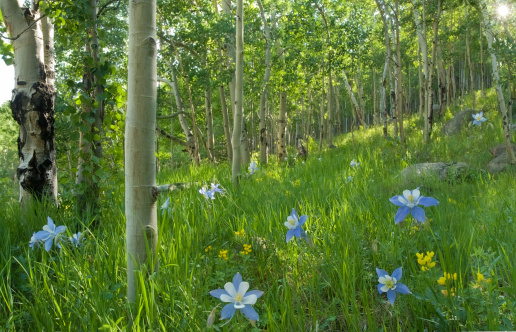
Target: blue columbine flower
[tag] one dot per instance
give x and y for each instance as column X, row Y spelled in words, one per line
column 207, row 193
column 34, row 241
column 76, row 239
column 252, row 167
column 390, row 285
column 50, row 234
column 294, row 224
column 408, row 204
column 215, row 189
column 478, row 119
column 165, row 206
column 354, row 163
column 236, row 293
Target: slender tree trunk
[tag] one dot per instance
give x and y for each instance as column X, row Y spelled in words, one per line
column 330, row 110
column 225, row 119
column 32, row 102
column 375, row 108
column 321, row 117
column 209, row 122
column 383, row 93
column 358, row 112
column 282, row 125
column 244, row 143
column 140, row 169
column 337, row 109
column 470, row 64
column 499, row 92
column 399, row 100
column 360, row 92
column 482, row 73
column 194, row 153
column 239, row 93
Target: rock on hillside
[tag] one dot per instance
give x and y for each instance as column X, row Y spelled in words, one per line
column 461, row 119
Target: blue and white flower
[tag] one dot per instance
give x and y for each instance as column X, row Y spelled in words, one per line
column 76, row 239
column 50, row 235
column 354, row 163
column 252, row 167
column 390, row 285
column 408, row 203
column 207, row 193
column 165, row 206
column 294, row 224
column 479, row 118
column 236, row 294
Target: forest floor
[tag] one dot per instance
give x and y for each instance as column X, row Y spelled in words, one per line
column 324, row 282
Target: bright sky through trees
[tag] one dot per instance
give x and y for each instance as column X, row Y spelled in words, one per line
column 503, row 10
column 6, row 82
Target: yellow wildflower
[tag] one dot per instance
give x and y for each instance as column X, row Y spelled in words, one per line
column 223, row 254
column 452, row 291
column 247, row 249
column 425, row 260
column 240, row 233
column 480, row 277
column 297, row 183
column 442, row 281
column 208, row 248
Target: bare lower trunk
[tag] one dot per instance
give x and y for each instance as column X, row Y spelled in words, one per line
column 282, row 125
column 32, row 101
column 499, row 92
column 399, row 104
column 483, row 93
column 353, row 99
column 244, row 143
column 140, row 169
column 470, row 64
column 330, row 110
column 239, row 93
column 225, row 119
column 209, row 123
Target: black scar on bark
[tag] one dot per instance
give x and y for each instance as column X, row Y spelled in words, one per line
column 43, row 103
column 33, row 178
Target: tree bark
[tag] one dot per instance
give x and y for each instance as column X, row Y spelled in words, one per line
column 140, row 169
column 499, row 92
column 239, row 93
column 209, row 122
column 470, row 64
column 32, row 102
column 353, row 99
column 399, row 100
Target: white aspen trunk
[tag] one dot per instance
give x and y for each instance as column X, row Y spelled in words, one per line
column 140, row 170
column 282, row 126
column 383, row 91
column 399, row 99
column 423, row 45
column 499, row 92
column 239, row 93
column 337, row 109
column 470, row 64
column 244, row 143
column 225, row 119
column 190, row 145
column 421, row 86
column 353, row 99
column 330, row 110
column 321, row 119
column 443, row 87
column 375, row 108
column 482, row 73
column 360, row 92
column 209, row 122
column 32, row 101
column 266, row 77
column 429, row 88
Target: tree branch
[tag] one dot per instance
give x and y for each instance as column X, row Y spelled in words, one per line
column 21, row 33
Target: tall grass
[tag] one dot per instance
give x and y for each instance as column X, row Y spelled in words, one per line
column 327, row 284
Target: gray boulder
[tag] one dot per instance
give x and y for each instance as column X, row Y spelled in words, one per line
column 442, row 171
column 498, row 164
column 461, row 119
column 500, row 148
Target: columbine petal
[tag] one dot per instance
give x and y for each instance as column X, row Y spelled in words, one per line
column 418, row 214
column 257, row 293
column 391, row 296
column 416, row 193
column 228, row 311
column 230, row 288
column 48, row 243
column 237, row 279
column 384, row 288
column 50, row 222
column 302, row 220
column 290, row 234
column 289, row 225
column 59, row 229
column 383, row 280
column 403, row 289
column 396, row 200
column 250, row 299
column 401, row 214
column 397, row 274
column 244, row 286
column 428, row 201
column 380, row 288
column 218, row 293
column 294, row 215
column 381, row 273
column 250, row 313
column 406, row 194
column 226, row 298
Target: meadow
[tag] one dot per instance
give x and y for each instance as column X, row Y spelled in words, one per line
column 325, row 282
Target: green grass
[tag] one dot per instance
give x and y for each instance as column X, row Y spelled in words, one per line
column 327, row 286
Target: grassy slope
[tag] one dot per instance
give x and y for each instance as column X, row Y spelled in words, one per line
column 328, row 286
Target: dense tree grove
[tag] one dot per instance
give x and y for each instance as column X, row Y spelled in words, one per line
column 107, row 90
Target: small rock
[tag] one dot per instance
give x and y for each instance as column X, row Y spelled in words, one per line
column 501, row 148
column 439, row 170
column 461, row 119
column 498, row 164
